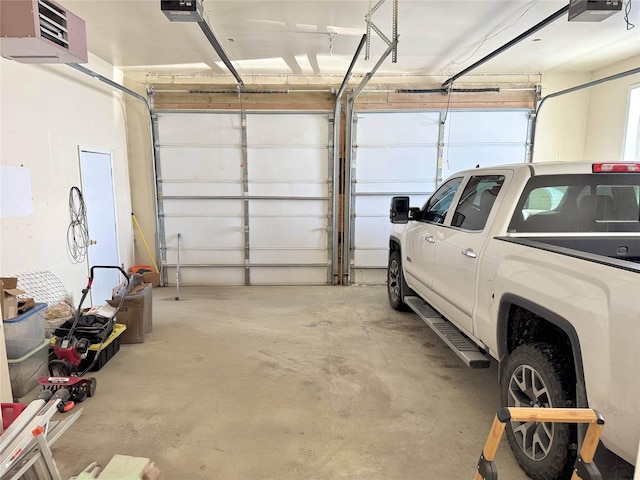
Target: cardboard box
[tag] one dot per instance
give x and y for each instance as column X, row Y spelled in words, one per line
column 135, row 313
column 152, row 277
column 10, row 294
column 148, row 275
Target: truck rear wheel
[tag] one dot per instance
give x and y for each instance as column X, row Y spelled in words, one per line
column 396, row 286
column 536, row 375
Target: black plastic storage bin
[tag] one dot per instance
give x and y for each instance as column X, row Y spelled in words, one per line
column 103, row 357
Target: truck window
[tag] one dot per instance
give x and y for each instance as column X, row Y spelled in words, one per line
column 579, row 203
column 476, row 202
column 436, row 208
column 543, row 199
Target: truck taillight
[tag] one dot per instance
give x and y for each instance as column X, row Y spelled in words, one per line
column 616, row 167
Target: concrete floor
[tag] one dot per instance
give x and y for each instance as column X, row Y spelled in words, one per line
column 288, row 383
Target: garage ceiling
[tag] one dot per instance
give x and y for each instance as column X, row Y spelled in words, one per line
column 320, row 37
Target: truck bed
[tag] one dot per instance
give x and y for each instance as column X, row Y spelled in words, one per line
column 620, row 252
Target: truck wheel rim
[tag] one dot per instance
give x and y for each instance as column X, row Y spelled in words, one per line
column 394, row 281
column 527, row 389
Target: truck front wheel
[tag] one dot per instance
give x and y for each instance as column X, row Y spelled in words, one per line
column 396, row 286
column 536, row 375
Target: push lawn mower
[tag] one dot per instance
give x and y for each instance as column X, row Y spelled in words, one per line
column 73, row 341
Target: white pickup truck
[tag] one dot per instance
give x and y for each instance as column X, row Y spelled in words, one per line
column 537, row 266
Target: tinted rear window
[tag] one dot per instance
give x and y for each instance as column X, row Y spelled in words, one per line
column 579, row 203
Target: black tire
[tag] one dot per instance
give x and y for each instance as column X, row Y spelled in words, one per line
column 79, row 395
column 539, row 375
column 91, row 387
column 397, row 288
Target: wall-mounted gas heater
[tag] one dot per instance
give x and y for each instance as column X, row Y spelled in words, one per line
column 41, row 31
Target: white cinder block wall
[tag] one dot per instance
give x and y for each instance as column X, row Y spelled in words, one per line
column 46, row 112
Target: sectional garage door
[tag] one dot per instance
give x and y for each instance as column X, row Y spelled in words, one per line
column 409, row 154
column 396, row 154
column 250, row 196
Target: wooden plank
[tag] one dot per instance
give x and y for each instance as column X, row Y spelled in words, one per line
column 224, row 97
column 507, row 95
column 493, row 439
column 245, row 106
column 563, row 415
column 590, row 443
column 440, row 106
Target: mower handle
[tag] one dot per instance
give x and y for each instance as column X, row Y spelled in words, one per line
column 107, row 266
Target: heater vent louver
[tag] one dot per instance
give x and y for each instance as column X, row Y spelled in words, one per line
column 53, row 23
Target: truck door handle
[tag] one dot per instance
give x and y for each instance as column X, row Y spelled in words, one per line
column 430, row 239
column 468, row 252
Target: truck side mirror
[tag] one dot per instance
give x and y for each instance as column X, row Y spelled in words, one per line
column 399, row 211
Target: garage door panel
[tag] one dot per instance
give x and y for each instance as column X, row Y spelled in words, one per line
column 286, row 156
column 397, row 154
column 379, row 205
column 292, row 209
column 395, row 188
column 284, row 275
column 393, row 163
column 181, row 189
column 194, row 256
column 276, row 232
column 207, row 275
column 288, row 164
column 312, row 190
column 486, row 126
column 288, row 257
column 373, row 257
column 469, row 156
column 372, row 232
column 397, row 128
column 199, row 129
column 184, row 163
column 199, row 232
column 199, row 208
column 288, row 129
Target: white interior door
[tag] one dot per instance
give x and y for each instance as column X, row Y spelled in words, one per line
column 98, row 194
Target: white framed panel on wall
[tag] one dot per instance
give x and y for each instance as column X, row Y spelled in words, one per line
column 396, row 154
